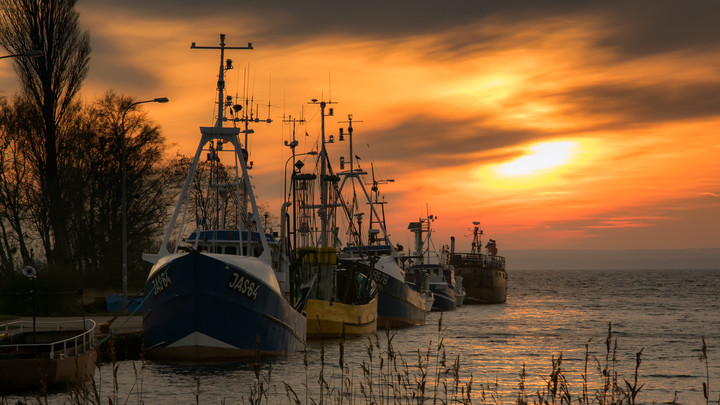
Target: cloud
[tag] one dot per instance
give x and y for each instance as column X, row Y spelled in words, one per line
column 423, row 140
column 620, row 223
column 629, row 105
column 447, row 90
column 633, row 28
column 642, row 28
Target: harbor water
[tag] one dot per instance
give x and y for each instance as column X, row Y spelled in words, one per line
column 548, row 314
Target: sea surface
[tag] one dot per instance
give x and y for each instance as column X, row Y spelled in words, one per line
column 567, row 314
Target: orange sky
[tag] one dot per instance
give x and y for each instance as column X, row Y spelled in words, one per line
column 558, row 125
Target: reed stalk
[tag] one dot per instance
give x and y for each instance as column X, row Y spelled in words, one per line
column 388, row 379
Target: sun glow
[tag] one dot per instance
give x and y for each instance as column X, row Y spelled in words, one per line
column 542, row 156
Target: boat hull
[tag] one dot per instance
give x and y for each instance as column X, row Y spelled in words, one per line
column 399, row 305
column 326, row 319
column 36, row 373
column 202, row 308
column 484, row 279
column 460, row 298
column 429, row 300
column 46, row 355
column 444, row 297
column 442, row 285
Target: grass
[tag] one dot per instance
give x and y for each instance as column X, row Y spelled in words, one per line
column 427, row 375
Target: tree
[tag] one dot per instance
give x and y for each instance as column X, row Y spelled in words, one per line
column 16, row 191
column 49, row 84
column 91, row 168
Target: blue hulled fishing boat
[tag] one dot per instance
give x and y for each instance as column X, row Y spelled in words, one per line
column 216, row 296
column 442, row 275
column 400, row 303
column 442, row 285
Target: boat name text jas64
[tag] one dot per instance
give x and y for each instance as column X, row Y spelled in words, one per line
column 161, row 282
column 244, row 285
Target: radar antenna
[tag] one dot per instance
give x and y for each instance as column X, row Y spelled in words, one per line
column 221, row 75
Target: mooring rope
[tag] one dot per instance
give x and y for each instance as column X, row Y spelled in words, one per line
column 114, row 332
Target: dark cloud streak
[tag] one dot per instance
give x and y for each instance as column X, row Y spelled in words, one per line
column 631, row 105
column 633, row 28
column 650, row 27
column 446, row 143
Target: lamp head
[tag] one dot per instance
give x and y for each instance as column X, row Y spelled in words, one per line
column 29, row 272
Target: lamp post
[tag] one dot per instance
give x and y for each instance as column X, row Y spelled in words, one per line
column 285, row 191
column 124, row 198
column 285, row 238
column 311, row 153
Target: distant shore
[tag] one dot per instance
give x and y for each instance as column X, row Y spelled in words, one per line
column 588, row 259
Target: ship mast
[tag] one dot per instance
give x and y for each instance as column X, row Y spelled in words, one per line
column 292, row 145
column 477, row 241
column 376, row 191
column 219, row 134
column 323, row 211
column 356, row 173
column 221, row 74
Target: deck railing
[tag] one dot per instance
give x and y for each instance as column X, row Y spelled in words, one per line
column 486, row 260
column 83, row 341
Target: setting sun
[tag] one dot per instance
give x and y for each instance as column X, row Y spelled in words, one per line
column 541, row 156
column 553, row 124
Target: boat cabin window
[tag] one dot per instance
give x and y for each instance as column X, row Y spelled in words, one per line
column 209, row 249
column 230, row 250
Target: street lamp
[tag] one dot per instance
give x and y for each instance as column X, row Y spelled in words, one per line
column 124, row 198
column 284, row 239
column 311, row 153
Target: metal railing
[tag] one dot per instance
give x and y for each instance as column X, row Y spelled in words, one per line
column 486, row 260
column 83, row 341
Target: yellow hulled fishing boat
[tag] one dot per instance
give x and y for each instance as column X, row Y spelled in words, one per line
column 334, row 295
column 338, row 298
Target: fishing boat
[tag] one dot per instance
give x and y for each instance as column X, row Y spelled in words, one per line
column 459, row 290
column 484, row 276
column 338, row 298
column 216, row 296
column 46, row 355
column 400, row 304
column 442, row 285
column 441, row 275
